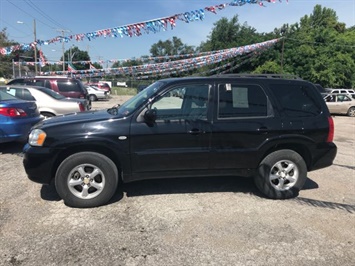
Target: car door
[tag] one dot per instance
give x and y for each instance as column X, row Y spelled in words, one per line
column 343, row 103
column 242, row 122
column 331, row 101
column 178, row 141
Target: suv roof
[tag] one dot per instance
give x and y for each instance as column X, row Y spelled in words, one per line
column 273, row 76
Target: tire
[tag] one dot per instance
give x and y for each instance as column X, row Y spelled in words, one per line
column 281, row 175
column 93, row 98
column 47, row 115
column 351, row 111
column 86, row 179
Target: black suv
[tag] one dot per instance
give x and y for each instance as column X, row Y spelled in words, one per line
column 272, row 129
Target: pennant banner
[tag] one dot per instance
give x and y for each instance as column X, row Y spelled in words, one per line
column 137, row 29
column 180, row 65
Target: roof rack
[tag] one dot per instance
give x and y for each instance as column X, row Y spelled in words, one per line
column 50, row 77
column 279, row 76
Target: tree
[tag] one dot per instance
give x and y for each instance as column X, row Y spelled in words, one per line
column 170, row 47
column 6, row 64
column 319, row 49
column 77, row 57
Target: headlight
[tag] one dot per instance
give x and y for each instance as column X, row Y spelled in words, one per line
column 37, row 137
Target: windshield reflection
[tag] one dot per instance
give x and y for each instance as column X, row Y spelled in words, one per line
column 137, row 101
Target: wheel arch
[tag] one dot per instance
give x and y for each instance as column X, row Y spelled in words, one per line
column 87, row 148
column 300, row 148
column 48, row 111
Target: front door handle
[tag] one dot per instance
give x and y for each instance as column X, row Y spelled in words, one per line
column 195, row 131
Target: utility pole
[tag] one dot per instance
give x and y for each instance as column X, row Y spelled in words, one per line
column 63, row 51
column 13, row 68
column 62, row 31
column 35, row 44
column 282, row 55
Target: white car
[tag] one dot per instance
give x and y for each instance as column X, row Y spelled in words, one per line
column 96, row 94
column 49, row 103
column 349, row 92
column 340, row 104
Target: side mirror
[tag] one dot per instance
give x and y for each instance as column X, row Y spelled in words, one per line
column 150, row 116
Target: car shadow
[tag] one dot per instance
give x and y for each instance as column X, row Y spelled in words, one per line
column 310, row 184
column 178, row 186
column 170, row 186
column 11, row 147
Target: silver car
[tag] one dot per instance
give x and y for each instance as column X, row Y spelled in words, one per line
column 96, row 94
column 340, row 104
column 49, row 103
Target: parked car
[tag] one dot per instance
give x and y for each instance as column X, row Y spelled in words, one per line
column 68, row 87
column 16, row 118
column 101, row 86
column 349, row 92
column 49, row 103
column 340, row 104
column 96, row 94
column 272, row 129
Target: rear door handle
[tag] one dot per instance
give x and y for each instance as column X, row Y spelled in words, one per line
column 263, row 130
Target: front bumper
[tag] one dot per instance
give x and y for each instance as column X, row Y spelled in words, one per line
column 39, row 163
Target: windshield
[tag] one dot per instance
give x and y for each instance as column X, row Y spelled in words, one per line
column 51, row 93
column 135, row 102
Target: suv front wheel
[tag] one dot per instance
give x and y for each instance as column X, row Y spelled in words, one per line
column 281, row 174
column 86, row 179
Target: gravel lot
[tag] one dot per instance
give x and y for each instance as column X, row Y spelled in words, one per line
column 195, row 221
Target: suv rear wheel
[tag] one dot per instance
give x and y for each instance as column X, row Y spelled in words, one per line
column 281, row 174
column 86, row 179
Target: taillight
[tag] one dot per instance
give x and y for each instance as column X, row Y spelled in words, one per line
column 81, row 107
column 12, row 112
column 331, row 129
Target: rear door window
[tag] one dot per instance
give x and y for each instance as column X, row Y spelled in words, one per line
column 241, row 101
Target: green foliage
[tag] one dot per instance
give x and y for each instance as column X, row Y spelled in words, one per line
column 269, row 67
column 6, row 66
column 170, row 47
column 74, row 54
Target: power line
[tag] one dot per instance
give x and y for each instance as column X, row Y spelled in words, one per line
column 11, row 26
column 30, row 15
column 41, row 12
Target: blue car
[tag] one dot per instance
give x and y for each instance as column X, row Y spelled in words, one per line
column 16, row 118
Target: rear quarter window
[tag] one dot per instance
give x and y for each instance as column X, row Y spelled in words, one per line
column 296, row 100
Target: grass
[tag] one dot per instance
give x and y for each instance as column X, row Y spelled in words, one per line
column 123, row 91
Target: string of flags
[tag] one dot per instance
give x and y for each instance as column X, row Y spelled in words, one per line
column 178, row 65
column 140, row 28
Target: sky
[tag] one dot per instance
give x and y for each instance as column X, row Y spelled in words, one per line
column 55, row 17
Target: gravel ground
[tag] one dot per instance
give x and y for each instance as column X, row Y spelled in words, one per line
column 195, row 221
